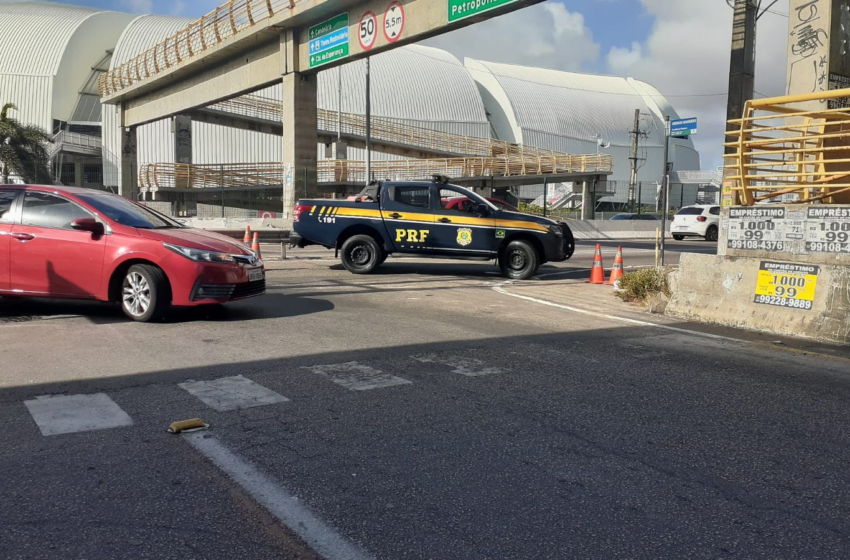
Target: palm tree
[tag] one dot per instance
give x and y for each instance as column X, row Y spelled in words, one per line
column 23, row 150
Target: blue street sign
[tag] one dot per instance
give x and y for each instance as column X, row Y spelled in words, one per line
column 683, row 128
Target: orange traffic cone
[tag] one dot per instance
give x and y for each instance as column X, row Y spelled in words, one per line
column 255, row 246
column 247, row 239
column 597, row 273
column 617, row 271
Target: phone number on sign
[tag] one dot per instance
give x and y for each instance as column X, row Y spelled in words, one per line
column 826, row 247
column 784, row 302
column 756, row 245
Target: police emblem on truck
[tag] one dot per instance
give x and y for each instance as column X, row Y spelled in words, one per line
column 464, row 237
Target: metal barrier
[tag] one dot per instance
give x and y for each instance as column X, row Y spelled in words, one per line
column 783, row 150
column 226, row 21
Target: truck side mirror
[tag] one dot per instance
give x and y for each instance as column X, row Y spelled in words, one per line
column 481, row 210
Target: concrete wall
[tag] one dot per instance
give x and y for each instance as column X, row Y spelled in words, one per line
column 617, row 229
column 721, row 290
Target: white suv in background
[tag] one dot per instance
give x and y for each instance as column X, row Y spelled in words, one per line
column 702, row 220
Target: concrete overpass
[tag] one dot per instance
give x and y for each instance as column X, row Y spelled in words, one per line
column 247, row 45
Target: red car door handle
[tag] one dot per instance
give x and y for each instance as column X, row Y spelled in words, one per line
column 23, row 236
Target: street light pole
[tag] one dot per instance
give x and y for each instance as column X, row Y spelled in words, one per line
column 665, row 187
column 368, row 122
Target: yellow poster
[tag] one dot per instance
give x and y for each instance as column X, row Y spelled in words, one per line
column 787, row 285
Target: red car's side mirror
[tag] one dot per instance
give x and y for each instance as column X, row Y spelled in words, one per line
column 88, row 224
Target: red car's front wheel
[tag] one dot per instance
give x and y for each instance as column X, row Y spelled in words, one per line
column 145, row 293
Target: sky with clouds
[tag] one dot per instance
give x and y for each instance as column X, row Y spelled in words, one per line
column 679, row 46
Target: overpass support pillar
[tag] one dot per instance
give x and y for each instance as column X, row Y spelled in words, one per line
column 300, row 137
column 129, row 184
column 587, row 201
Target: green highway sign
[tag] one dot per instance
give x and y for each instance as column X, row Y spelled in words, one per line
column 329, row 40
column 462, row 9
column 326, row 57
column 325, row 28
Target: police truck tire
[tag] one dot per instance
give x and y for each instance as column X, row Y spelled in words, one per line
column 678, row 237
column 360, row 254
column 383, row 258
column 519, row 260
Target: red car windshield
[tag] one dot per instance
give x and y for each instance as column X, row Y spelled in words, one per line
column 128, row 213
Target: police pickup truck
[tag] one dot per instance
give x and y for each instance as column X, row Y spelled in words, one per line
column 419, row 218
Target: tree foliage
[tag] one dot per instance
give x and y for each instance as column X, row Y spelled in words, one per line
column 23, row 150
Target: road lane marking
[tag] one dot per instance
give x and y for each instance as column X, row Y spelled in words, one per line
column 70, row 414
column 463, row 365
column 357, row 377
column 232, row 393
column 499, row 288
column 791, row 350
column 318, row 535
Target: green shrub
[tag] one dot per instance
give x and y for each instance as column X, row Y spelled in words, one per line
column 641, row 284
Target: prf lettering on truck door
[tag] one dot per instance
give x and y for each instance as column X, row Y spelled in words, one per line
column 411, row 235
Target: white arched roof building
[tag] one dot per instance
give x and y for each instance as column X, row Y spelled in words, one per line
column 566, row 112
column 48, row 54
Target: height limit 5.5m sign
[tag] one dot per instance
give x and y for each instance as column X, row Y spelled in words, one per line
column 394, row 22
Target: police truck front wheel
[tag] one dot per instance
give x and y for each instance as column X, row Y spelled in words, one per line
column 361, row 254
column 519, row 260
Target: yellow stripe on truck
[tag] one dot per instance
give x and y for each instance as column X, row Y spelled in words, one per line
column 358, row 212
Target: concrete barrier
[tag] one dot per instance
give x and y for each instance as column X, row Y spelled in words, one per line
column 615, row 229
column 722, row 290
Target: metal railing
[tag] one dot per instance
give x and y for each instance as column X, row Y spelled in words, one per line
column 65, row 138
column 171, row 175
column 384, row 129
column 207, row 32
column 784, row 150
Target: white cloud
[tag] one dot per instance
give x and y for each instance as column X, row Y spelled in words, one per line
column 178, row 8
column 546, row 35
column 137, row 6
column 688, row 53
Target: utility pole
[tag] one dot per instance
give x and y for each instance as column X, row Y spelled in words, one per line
column 368, row 123
column 636, row 133
column 665, row 188
column 742, row 69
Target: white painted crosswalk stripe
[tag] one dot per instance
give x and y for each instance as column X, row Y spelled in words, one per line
column 70, row 414
column 463, row 365
column 358, row 377
column 232, row 393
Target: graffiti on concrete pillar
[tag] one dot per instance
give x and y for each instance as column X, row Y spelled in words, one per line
column 809, row 47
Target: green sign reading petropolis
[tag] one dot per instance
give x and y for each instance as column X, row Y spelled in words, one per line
column 462, row 9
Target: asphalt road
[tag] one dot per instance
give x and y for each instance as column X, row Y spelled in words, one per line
column 417, row 413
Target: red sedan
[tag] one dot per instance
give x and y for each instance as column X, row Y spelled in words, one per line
column 64, row 242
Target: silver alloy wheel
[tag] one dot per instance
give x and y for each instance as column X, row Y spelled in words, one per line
column 137, row 294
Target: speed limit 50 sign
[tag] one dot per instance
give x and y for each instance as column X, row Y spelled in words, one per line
column 367, row 31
